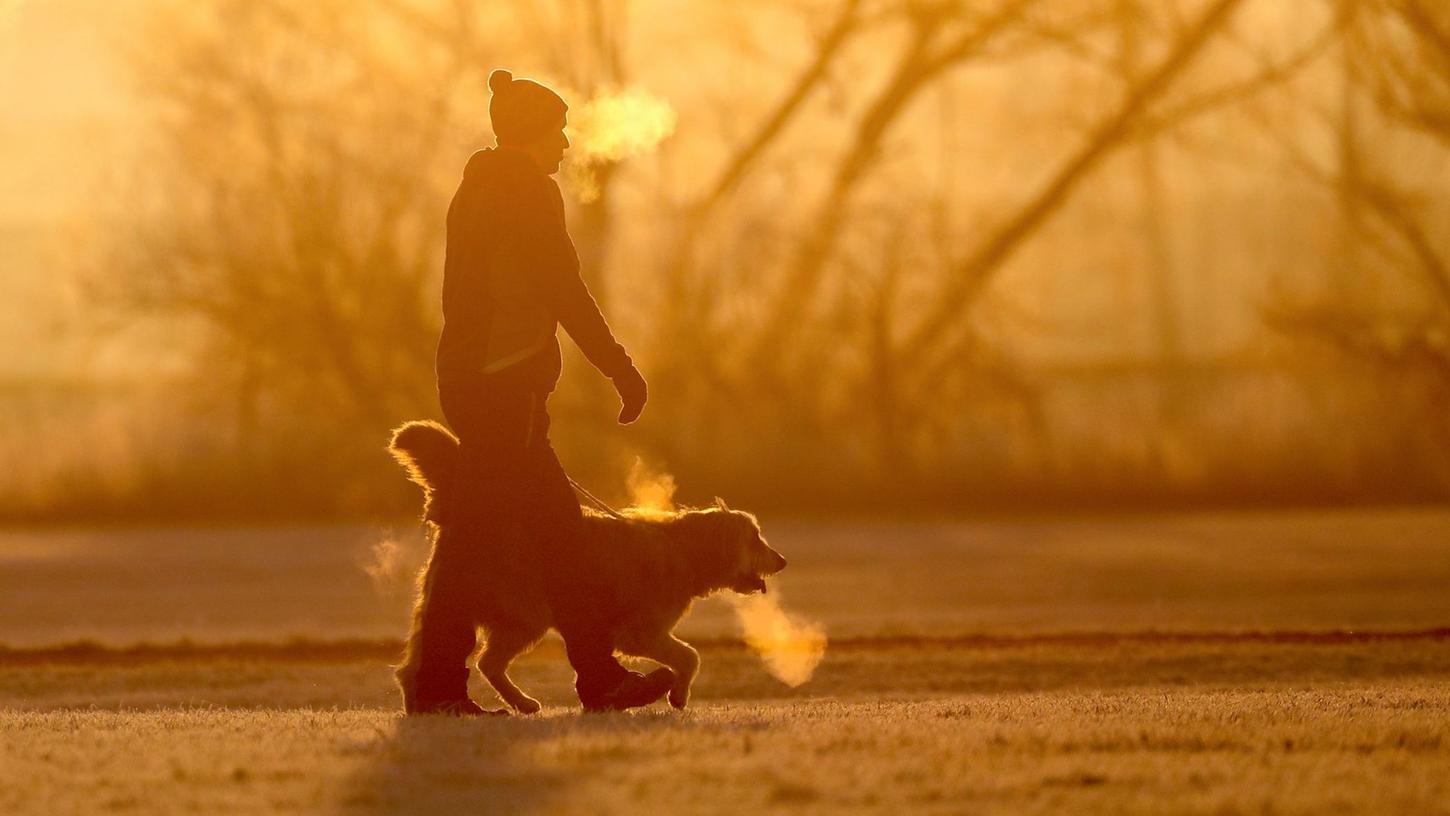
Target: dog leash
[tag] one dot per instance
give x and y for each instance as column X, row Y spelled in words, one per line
column 593, row 499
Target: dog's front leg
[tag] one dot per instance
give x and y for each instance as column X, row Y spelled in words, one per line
column 682, row 659
column 499, row 650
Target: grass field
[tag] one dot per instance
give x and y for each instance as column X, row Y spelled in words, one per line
column 1202, row 664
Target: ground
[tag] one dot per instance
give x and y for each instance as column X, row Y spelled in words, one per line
column 1242, row 664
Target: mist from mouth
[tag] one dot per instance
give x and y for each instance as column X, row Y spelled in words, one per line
column 790, row 645
column 611, row 126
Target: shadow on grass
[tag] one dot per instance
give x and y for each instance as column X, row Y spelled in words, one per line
column 515, row 765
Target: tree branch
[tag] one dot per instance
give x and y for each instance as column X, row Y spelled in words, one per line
column 744, row 160
column 917, row 67
column 977, row 269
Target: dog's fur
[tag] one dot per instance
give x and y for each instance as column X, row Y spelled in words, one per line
column 657, row 563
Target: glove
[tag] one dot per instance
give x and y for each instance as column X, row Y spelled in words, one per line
column 633, row 393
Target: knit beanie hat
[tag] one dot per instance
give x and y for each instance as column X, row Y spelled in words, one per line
column 522, row 109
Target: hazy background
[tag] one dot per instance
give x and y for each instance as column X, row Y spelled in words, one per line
column 880, row 256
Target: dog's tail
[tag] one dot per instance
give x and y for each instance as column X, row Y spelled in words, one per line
column 426, row 450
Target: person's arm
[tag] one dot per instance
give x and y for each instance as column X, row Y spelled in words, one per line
column 553, row 264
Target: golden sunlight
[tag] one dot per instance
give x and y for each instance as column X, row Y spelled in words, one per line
column 1079, row 370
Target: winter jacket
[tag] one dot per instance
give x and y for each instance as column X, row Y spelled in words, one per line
column 511, row 277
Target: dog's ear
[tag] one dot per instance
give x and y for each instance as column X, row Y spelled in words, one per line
column 720, row 503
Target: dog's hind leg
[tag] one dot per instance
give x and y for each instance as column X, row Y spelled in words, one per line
column 503, row 645
column 680, row 657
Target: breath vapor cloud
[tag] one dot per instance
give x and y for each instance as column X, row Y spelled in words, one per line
column 791, row 646
column 612, row 126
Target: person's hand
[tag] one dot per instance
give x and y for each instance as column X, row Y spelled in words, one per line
column 633, row 393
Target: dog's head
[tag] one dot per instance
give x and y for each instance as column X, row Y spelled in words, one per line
column 741, row 558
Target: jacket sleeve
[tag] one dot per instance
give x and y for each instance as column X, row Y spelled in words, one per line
column 553, row 265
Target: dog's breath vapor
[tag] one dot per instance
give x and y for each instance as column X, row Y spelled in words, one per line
column 791, row 646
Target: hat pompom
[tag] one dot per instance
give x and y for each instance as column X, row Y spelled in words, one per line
column 499, row 80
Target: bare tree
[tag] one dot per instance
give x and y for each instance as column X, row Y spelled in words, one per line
column 1397, row 56
column 290, row 212
column 295, row 210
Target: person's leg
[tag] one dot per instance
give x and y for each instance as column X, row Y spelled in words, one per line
column 445, row 627
column 491, row 425
column 580, row 609
column 574, row 603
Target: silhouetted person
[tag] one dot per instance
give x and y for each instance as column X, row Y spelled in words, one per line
column 511, row 277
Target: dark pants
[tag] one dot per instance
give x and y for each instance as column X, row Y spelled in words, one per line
column 509, row 492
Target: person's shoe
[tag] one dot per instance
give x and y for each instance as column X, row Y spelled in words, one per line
column 633, row 691
column 459, row 708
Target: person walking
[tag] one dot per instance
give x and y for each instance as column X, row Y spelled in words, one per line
column 510, row 279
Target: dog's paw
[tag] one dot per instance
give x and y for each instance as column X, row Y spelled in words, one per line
column 679, row 698
column 528, row 705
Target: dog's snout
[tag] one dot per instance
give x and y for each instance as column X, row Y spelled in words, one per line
column 778, row 563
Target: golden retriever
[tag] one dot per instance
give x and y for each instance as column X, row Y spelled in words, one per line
column 658, row 563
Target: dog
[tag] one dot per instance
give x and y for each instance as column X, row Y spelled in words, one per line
column 657, row 564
